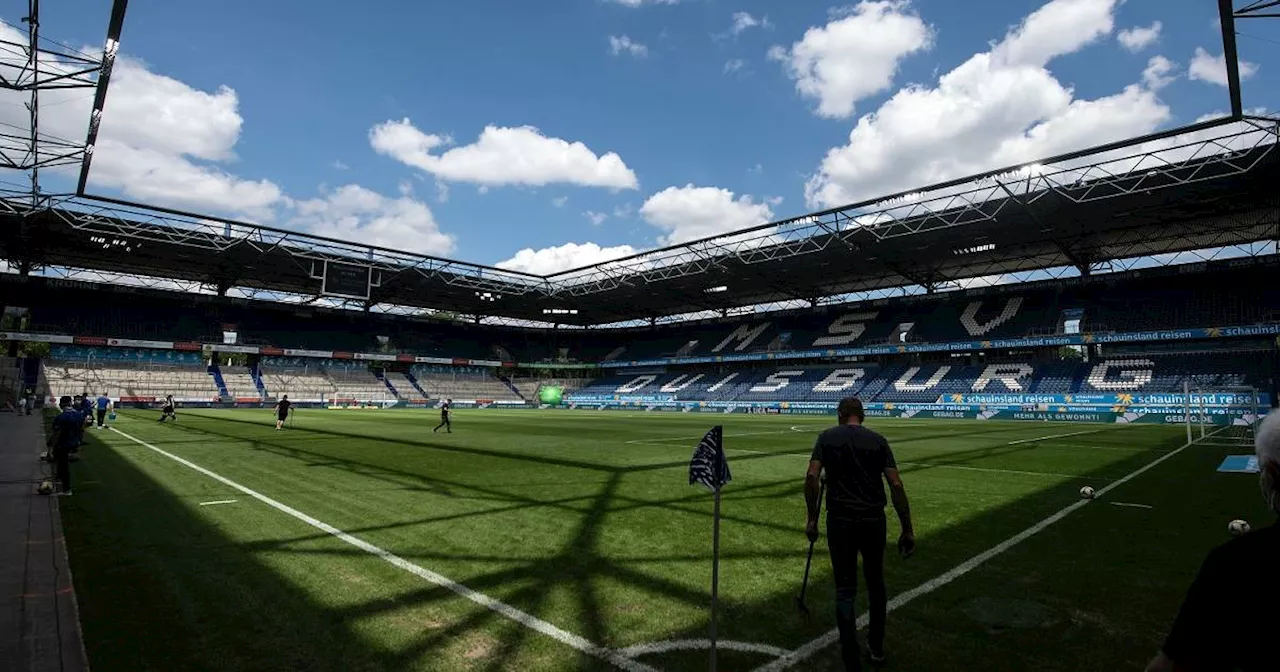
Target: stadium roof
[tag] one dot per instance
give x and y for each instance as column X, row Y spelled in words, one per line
column 1201, row 187
column 1209, row 185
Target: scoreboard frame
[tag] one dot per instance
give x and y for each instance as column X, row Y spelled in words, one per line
column 334, row 285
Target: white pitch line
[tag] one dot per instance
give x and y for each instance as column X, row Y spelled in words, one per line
column 220, row 501
column 1129, row 504
column 700, row 644
column 1055, row 436
column 808, row 650
column 991, row 470
column 528, row 620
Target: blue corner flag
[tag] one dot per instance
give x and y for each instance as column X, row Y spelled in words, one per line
column 709, row 468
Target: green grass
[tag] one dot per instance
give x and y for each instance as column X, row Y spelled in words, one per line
column 558, row 515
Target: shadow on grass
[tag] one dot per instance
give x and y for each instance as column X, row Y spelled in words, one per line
column 159, row 588
column 580, row 564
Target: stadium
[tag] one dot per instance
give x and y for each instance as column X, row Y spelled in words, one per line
column 1105, row 318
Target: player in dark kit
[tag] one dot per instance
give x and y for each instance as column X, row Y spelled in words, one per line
column 855, row 460
column 68, row 430
column 446, row 410
column 282, row 411
column 168, row 410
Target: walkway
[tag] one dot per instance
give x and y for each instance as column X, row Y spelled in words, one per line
column 39, row 626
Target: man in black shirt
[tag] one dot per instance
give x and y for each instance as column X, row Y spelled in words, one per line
column 446, row 410
column 168, row 410
column 855, row 460
column 1229, row 618
column 282, row 411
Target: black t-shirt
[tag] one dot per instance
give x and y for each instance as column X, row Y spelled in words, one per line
column 168, row 404
column 854, row 459
column 1229, row 619
column 283, row 407
column 444, row 410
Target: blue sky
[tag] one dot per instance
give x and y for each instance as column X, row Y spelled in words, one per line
column 693, row 116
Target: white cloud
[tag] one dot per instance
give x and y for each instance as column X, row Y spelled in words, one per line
column 563, row 257
column 559, row 201
column 161, row 141
column 1138, row 38
column 1157, row 75
column 154, row 177
column 744, row 20
column 164, row 142
column 503, row 156
column 442, row 191
column 339, row 165
column 1058, row 28
column 1000, row 107
column 596, row 218
column 621, row 44
column 689, row 213
column 854, row 56
column 734, row 65
column 1206, row 67
column 357, row 214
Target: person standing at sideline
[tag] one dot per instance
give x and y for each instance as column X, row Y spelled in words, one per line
column 68, row 426
column 446, row 411
column 1229, row 617
column 854, row 460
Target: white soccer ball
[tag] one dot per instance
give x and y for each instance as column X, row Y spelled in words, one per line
column 1087, row 492
column 1238, row 527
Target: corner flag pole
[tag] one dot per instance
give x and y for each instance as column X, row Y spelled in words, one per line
column 710, row 469
column 715, row 576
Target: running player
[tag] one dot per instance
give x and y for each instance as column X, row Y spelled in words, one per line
column 168, row 410
column 446, row 410
column 282, row 411
column 104, row 405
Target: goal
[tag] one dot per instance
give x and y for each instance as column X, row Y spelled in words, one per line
column 1223, row 415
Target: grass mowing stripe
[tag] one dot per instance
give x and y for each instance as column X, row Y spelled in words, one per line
column 525, row 619
column 1056, row 436
column 808, row 650
column 993, row 470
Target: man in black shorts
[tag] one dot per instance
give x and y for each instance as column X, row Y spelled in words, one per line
column 282, row 411
column 168, row 410
column 855, row 460
column 446, row 410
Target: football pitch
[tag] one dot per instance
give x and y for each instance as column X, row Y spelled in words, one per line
column 571, row 540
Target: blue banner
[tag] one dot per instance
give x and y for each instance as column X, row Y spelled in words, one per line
column 965, row 346
column 1208, row 399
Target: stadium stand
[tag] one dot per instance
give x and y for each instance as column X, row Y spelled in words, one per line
column 462, row 383
column 1126, row 303
column 924, row 383
column 295, row 378
column 405, row 388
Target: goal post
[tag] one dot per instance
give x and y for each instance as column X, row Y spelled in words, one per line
column 1225, row 415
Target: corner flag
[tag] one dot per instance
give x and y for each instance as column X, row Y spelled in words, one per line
column 710, row 469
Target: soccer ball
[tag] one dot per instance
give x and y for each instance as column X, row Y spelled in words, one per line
column 1238, row 527
column 45, row 487
column 1086, row 492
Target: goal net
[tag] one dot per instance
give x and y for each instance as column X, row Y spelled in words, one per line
column 1223, row 415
